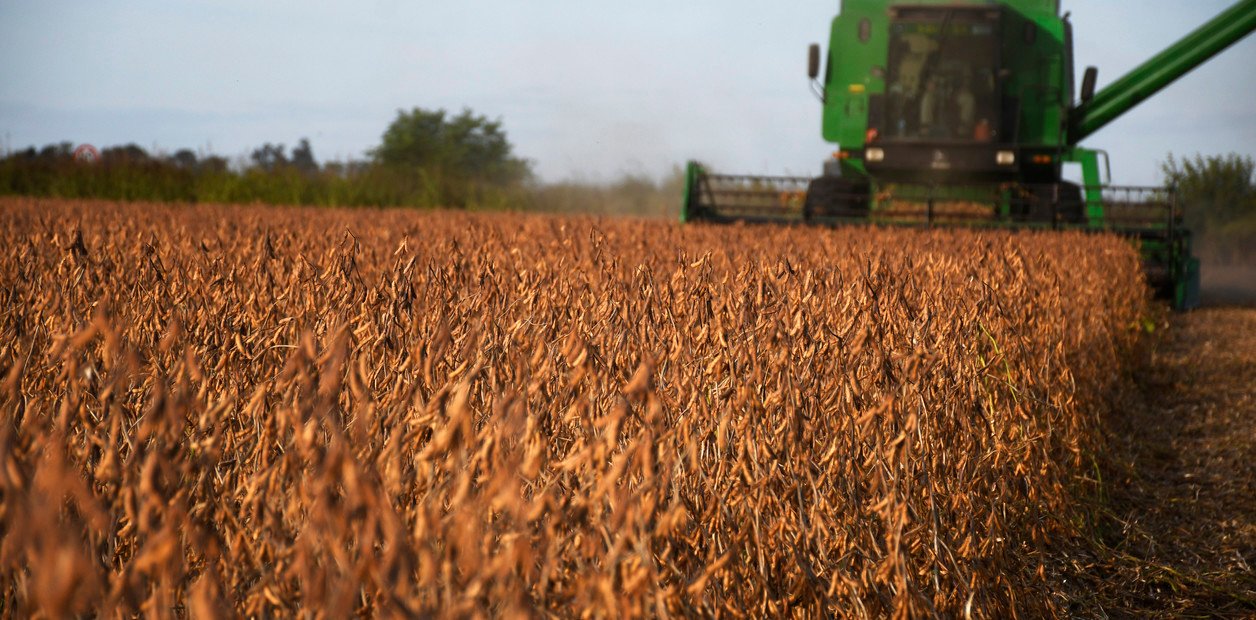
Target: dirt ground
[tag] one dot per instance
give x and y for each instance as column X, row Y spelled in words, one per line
column 1181, row 532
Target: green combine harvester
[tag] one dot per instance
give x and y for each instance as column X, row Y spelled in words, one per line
column 963, row 113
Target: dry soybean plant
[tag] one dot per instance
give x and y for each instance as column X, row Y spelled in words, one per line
column 215, row 410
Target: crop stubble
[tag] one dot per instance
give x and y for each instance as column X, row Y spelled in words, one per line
column 263, row 411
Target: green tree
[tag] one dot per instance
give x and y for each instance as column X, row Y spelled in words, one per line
column 184, row 158
column 129, row 154
column 269, row 157
column 1214, row 190
column 303, row 157
column 466, row 146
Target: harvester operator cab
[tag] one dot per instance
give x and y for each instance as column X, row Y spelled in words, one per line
column 942, row 114
column 941, row 77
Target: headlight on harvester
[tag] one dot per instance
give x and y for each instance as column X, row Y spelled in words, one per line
column 1005, row 158
column 874, row 154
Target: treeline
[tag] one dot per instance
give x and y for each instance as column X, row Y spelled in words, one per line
column 130, row 173
column 427, row 159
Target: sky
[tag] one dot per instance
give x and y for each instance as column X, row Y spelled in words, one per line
column 586, row 90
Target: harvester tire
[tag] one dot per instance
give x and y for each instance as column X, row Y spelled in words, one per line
column 1072, row 204
column 830, row 196
column 1060, row 203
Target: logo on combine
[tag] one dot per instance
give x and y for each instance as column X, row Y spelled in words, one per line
column 940, row 162
column 87, row 154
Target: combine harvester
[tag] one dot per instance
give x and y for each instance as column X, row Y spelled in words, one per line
column 962, row 113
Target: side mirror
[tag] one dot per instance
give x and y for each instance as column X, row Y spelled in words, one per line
column 1088, row 83
column 813, row 61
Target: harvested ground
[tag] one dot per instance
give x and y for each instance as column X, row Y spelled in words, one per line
column 1182, row 537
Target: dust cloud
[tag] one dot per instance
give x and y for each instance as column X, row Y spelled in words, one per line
column 1227, row 275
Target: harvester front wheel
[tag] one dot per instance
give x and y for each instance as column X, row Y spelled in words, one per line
column 1072, row 207
column 1060, row 203
column 831, row 196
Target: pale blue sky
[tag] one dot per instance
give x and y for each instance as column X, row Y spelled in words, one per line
column 585, row 89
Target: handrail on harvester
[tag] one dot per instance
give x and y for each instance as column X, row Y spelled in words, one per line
column 1161, row 70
